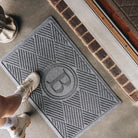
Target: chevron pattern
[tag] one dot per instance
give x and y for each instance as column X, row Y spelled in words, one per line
column 49, row 45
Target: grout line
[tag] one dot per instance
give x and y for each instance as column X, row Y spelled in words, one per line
column 57, row 3
column 104, row 58
column 122, row 85
column 91, row 42
column 125, row 83
column 84, row 34
column 112, row 67
column 132, row 92
column 78, row 26
column 98, row 50
column 64, row 9
column 71, row 18
column 119, row 75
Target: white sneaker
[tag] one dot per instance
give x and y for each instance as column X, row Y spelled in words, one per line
column 9, row 31
column 29, row 85
column 19, row 131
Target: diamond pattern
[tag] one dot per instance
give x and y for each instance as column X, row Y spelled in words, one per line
column 89, row 117
column 32, row 66
column 90, row 102
column 49, row 45
column 73, row 116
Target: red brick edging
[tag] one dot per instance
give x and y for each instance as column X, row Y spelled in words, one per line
column 94, row 47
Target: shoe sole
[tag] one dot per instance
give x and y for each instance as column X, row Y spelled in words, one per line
column 27, row 127
column 24, row 129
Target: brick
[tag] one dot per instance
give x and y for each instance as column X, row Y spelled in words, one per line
column 101, row 54
column 68, row 14
column 61, row 6
column 129, row 87
column 74, row 21
column 81, row 30
column 115, row 71
column 87, row 38
column 134, row 96
column 94, row 46
column 108, row 63
column 54, row 2
column 122, row 79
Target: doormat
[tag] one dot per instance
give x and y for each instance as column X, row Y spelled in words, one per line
column 72, row 96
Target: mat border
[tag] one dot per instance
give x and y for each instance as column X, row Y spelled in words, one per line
column 86, row 61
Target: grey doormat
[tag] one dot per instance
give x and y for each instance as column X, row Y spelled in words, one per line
column 72, row 96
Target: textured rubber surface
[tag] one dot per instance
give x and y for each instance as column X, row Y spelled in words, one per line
column 72, row 96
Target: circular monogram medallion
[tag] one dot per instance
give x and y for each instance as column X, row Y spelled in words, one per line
column 60, row 81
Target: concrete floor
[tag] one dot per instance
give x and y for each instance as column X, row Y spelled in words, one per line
column 120, row 123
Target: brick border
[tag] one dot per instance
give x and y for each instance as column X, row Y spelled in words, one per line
column 95, row 48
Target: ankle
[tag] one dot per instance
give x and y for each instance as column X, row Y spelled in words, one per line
column 19, row 91
column 10, row 122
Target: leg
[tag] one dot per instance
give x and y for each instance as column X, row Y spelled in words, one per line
column 2, row 121
column 8, row 105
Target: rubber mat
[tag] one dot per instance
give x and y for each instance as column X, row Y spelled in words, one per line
column 72, row 96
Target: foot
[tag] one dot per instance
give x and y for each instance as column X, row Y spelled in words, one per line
column 29, row 85
column 19, row 131
column 9, row 30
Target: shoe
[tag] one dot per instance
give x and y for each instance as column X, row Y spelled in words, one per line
column 29, row 85
column 9, row 30
column 24, row 121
